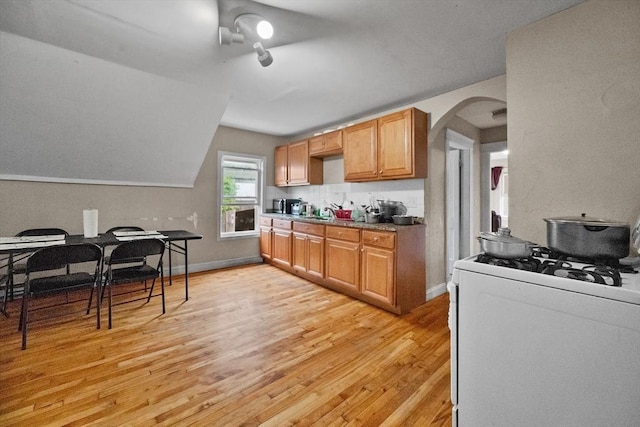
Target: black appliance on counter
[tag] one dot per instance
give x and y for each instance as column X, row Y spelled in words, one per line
column 284, row 206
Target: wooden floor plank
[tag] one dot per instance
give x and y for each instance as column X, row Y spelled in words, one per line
column 253, row 346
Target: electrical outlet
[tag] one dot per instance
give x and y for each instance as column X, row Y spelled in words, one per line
column 412, row 202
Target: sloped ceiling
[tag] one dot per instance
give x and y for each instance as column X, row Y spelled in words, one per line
column 132, row 92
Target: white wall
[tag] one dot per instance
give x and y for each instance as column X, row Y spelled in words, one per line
column 41, row 204
column 573, row 93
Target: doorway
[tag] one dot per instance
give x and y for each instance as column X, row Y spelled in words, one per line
column 492, row 155
column 459, row 172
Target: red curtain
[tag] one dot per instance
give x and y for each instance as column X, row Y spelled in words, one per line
column 495, row 176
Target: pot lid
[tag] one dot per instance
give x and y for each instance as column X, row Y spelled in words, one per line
column 587, row 220
column 503, row 235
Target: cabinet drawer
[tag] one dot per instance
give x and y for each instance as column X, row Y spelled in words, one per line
column 343, row 233
column 380, row 239
column 305, row 227
column 282, row 223
column 265, row 221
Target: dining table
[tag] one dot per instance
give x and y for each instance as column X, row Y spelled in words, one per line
column 175, row 241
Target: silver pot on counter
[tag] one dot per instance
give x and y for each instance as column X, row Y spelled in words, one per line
column 587, row 237
column 503, row 245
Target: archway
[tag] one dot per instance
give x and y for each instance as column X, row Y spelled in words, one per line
column 464, row 137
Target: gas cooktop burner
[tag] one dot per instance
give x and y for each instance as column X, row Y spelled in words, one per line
column 527, row 264
column 546, row 253
column 598, row 273
column 603, row 275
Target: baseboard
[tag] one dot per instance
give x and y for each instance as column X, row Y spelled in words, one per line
column 436, row 291
column 213, row 265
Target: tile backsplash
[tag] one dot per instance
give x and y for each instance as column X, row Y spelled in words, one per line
column 408, row 191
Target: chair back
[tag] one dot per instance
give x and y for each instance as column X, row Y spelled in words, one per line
column 42, row 232
column 136, row 249
column 55, row 257
column 125, row 228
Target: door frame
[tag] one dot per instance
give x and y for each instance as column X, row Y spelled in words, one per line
column 459, row 197
column 485, row 181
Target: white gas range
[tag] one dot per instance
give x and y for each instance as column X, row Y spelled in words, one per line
column 544, row 349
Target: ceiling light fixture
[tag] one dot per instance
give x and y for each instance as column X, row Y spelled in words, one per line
column 264, row 56
column 253, row 27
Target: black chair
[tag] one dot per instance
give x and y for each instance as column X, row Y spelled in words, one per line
column 119, row 275
column 15, row 267
column 105, row 257
column 40, row 282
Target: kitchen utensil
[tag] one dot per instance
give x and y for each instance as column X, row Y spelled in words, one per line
column 402, row 219
column 588, row 237
column 357, row 214
column 342, row 213
column 503, row 245
column 390, row 208
column 372, row 217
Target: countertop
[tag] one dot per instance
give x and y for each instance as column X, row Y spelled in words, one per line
column 381, row 226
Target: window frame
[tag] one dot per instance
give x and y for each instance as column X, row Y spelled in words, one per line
column 260, row 161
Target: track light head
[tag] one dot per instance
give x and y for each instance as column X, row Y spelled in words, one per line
column 225, row 36
column 264, row 56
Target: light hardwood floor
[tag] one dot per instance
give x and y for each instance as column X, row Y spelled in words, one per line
column 252, row 346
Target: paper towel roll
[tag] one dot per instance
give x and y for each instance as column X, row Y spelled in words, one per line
column 90, row 222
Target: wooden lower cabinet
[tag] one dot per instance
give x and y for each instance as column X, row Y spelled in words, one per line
column 265, row 237
column 383, row 268
column 281, row 242
column 343, row 264
column 379, row 274
column 308, row 250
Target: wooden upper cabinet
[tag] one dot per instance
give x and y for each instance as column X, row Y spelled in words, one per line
column 328, row 144
column 395, row 145
column 397, row 148
column 361, row 152
column 293, row 166
column 298, row 161
column 281, row 166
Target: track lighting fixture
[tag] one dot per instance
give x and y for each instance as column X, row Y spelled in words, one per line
column 264, row 56
column 253, row 27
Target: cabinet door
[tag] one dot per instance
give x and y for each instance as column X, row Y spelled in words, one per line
column 315, row 249
column 298, row 160
column 343, row 264
column 360, row 152
column 281, row 165
column 328, row 144
column 300, row 252
column 378, row 274
column 265, row 242
column 395, row 145
column 281, row 247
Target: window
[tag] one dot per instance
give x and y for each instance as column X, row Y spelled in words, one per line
column 240, row 179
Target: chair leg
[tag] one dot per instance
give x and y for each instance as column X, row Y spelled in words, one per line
column 153, row 284
column 97, row 304
column 110, row 300
column 90, row 301
column 5, row 294
column 24, row 320
column 162, row 287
